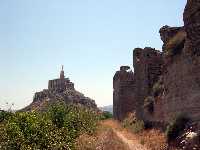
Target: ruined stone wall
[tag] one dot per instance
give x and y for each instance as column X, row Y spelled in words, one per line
column 182, row 76
column 177, row 67
column 182, row 90
column 191, row 19
column 60, row 84
column 123, row 94
column 167, row 33
column 130, row 89
column 147, row 65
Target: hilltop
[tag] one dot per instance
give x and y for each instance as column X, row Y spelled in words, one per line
column 61, row 89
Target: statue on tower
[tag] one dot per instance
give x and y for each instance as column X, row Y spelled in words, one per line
column 61, row 83
column 62, row 74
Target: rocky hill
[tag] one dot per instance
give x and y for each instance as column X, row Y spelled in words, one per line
column 61, row 89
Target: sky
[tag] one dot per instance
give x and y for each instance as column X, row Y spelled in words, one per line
column 91, row 38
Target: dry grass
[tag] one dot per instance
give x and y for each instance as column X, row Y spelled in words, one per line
column 153, row 139
column 104, row 139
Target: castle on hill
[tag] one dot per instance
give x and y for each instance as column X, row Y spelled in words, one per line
column 60, row 89
column 61, row 83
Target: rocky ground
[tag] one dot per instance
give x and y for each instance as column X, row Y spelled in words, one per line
column 189, row 139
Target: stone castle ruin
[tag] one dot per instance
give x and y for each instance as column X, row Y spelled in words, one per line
column 123, row 83
column 165, row 83
column 61, row 89
column 60, row 84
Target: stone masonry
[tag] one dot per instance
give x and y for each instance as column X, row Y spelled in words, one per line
column 130, row 89
column 147, row 65
column 182, row 76
column 123, row 85
column 60, row 84
column 176, row 69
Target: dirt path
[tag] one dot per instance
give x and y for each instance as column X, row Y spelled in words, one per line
column 126, row 137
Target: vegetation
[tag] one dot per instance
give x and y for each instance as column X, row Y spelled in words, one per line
column 133, row 124
column 137, row 127
column 4, row 115
column 175, row 128
column 104, row 138
column 175, row 45
column 158, row 87
column 153, row 139
column 56, row 128
column 106, row 115
column 149, row 104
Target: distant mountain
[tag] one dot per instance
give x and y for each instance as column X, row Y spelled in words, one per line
column 107, row 108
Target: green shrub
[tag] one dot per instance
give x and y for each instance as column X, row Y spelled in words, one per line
column 106, row 115
column 175, row 128
column 81, row 120
column 149, row 104
column 4, row 115
column 58, row 114
column 30, row 130
column 55, row 129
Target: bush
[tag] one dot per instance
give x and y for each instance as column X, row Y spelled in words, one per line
column 133, row 124
column 175, row 128
column 31, row 130
column 137, row 127
column 106, row 115
column 58, row 114
column 55, row 129
column 149, row 104
column 4, row 115
column 129, row 120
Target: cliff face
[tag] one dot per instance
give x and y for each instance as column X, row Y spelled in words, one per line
column 170, row 78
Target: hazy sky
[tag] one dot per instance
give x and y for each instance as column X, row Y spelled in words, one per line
column 91, row 38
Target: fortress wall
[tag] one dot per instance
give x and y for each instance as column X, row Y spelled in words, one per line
column 147, row 64
column 178, row 67
column 182, row 78
column 123, row 95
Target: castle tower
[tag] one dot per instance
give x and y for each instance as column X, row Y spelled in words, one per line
column 147, row 65
column 62, row 74
column 61, row 83
column 123, row 93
